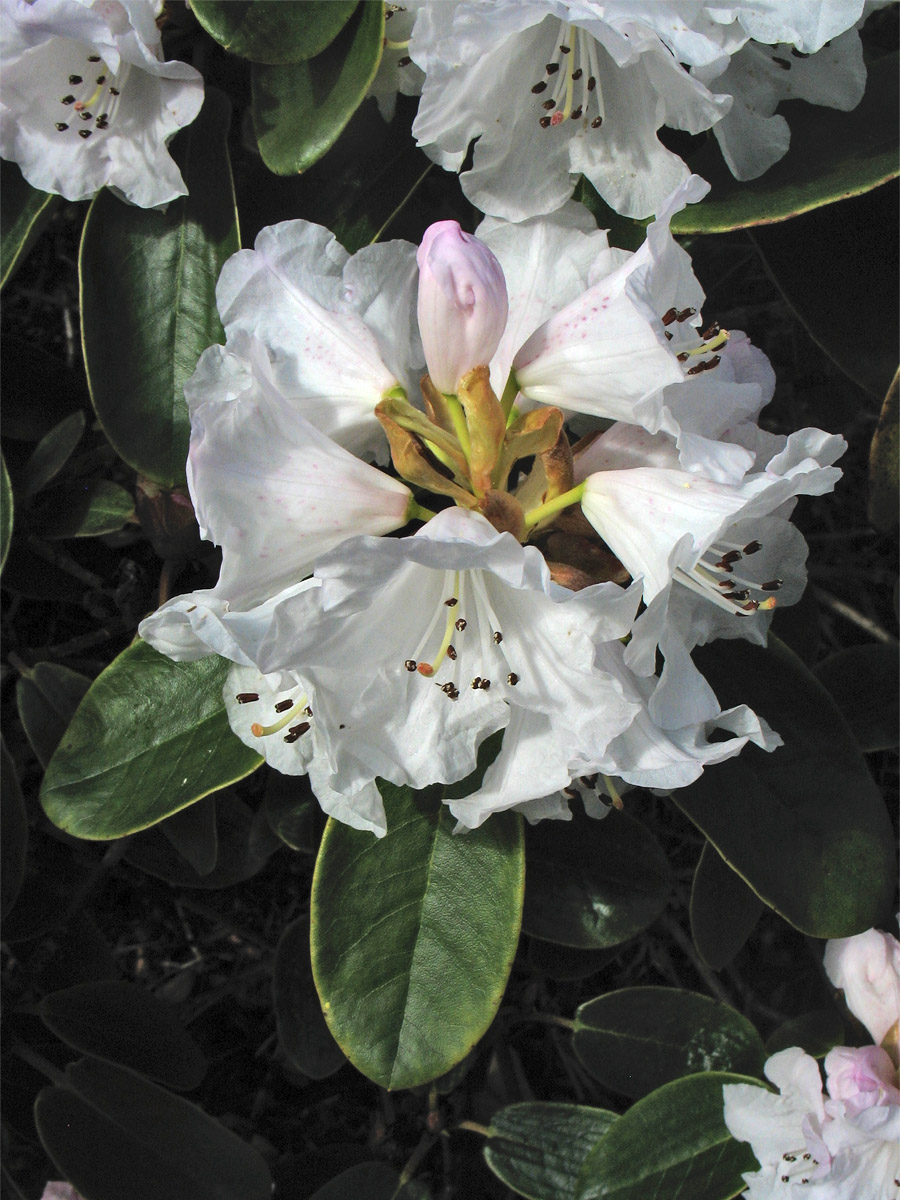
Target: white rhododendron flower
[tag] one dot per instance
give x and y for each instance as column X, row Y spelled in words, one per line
column 550, row 89
column 844, row 1142
column 86, row 101
column 507, row 608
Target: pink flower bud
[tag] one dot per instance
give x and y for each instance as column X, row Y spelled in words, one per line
column 462, row 303
column 867, row 967
column 860, row 1077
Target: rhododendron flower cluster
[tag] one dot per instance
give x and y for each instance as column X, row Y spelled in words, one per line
column 552, row 89
column 844, row 1141
column 535, row 582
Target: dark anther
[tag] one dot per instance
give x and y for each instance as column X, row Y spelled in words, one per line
column 485, row 685
column 752, row 547
column 565, row 49
column 452, row 602
column 771, row 585
column 539, row 87
column 61, row 126
column 548, row 104
column 93, row 58
column 782, row 62
column 576, row 75
column 75, row 79
column 731, row 556
column 577, row 112
column 114, row 91
column 101, row 79
column 544, row 122
column 596, row 123
column 668, row 336
column 451, row 653
column 85, row 116
column 552, row 68
column 685, row 313
column 307, row 712
column 410, row 664
column 592, row 83
column 67, row 100
column 103, row 122
column 296, row 731
column 740, row 595
column 498, row 637
column 669, row 316
column 404, row 61
column 461, row 624
column 476, row 683
column 711, row 332
column 512, row 679
column 247, row 697
column 283, row 705
column 683, row 357
column 84, row 133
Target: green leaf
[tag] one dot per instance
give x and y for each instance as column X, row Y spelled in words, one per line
column 122, row 1023
column 292, row 811
column 113, row 1134
column 302, row 1032
column 593, row 884
column 864, row 681
column 364, row 1181
column 884, row 472
column 150, row 737
column 636, row 1039
column 539, row 1149
column 673, row 1144
column 47, row 696
column 270, row 31
column 300, row 109
column 816, row 1033
column 14, row 843
column 83, row 508
column 193, row 833
column 724, row 911
column 148, row 298
column 624, row 232
column 239, row 854
column 23, row 218
column 413, row 935
column 832, row 155
column 52, row 453
column 804, row 826
column 6, row 511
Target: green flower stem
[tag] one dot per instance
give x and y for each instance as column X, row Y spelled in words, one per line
column 460, row 428
column 416, row 512
column 557, row 504
column 507, row 400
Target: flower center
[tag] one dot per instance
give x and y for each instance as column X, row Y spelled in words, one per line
column 461, row 639
column 797, row 1167
column 572, row 80
column 715, row 578
column 91, row 99
column 687, row 347
column 286, row 711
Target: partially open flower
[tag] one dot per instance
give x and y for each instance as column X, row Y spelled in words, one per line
column 462, row 303
column 867, row 967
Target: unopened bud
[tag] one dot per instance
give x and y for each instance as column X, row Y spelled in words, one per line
column 462, row 303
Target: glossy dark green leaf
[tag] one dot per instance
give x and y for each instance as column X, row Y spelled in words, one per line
column 193, row 833
column 816, row 1033
column 148, row 298
column 52, row 453
column 539, row 1149
column 804, row 826
column 122, row 1023
column 884, row 472
column 82, row 508
column 47, row 695
column 292, row 811
column 6, row 512
column 830, row 294
column 302, row 1032
column 238, row 854
column 300, row 109
column 270, row 31
column 413, row 935
column 113, row 1134
column 150, row 737
column 624, row 232
column 673, row 1144
column 14, row 843
column 364, row 1181
column 636, row 1039
column 23, row 217
column 593, row 884
column 832, row 155
column 724, row 910
column 864, row 681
